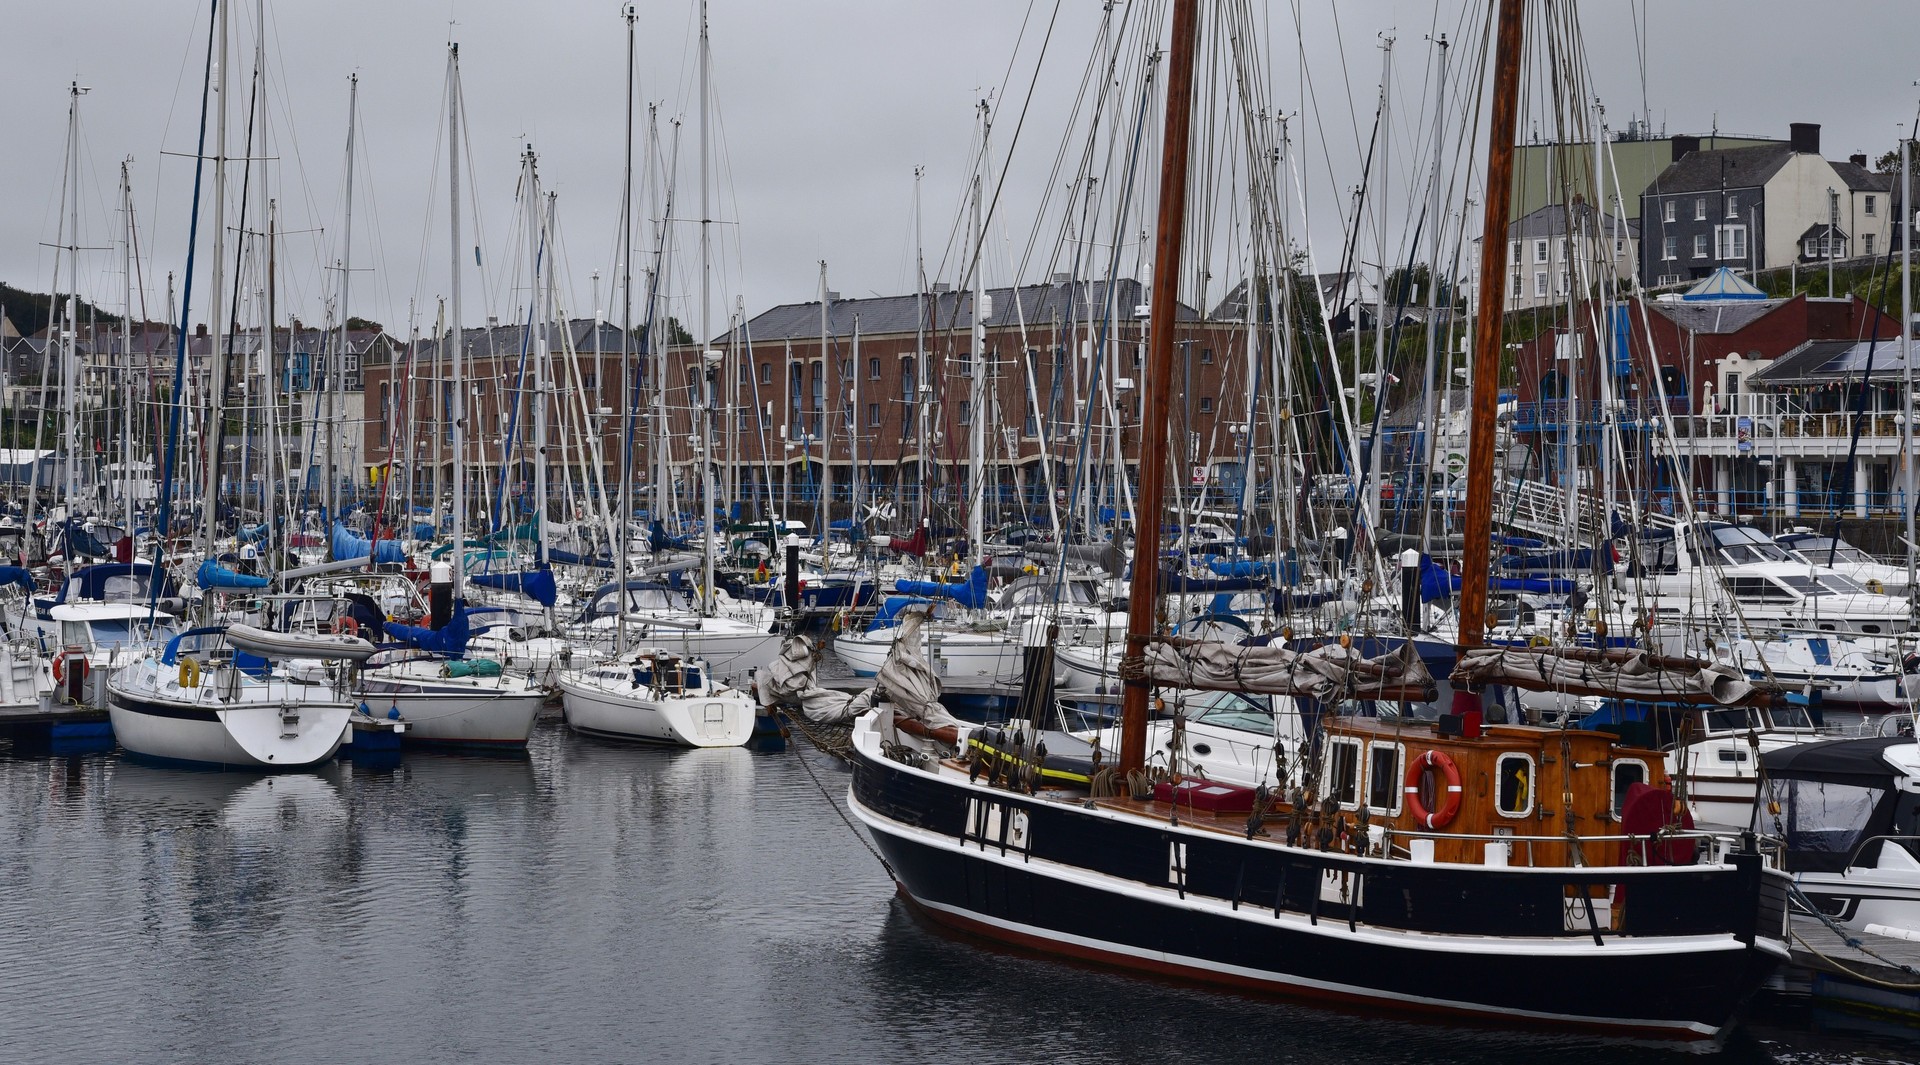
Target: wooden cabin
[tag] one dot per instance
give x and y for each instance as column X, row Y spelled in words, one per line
column 1526, row 786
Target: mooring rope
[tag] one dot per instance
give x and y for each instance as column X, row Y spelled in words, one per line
column 801, row 757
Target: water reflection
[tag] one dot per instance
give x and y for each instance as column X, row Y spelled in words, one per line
column 590, row 901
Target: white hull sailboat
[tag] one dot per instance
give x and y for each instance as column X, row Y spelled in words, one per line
column 441, row 707
column 656, row 697
column 223, row 716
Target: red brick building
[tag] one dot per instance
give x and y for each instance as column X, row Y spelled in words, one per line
column 891, row 396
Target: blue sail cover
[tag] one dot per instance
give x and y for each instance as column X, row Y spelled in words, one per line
column 658, row 539
column 573, row 558
column 972, row 593
column 423, row 530
column 346, row 545
column 212, row 575
column 1176, row 583
column 16, row 575
column 536, row 584
column 450, row 641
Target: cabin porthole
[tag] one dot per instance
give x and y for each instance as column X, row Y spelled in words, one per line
column 1513, row 776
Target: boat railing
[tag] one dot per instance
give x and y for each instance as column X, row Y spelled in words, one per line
column 1719, row 842
column 1859, row 848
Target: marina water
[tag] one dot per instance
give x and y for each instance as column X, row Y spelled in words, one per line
column 591, row 902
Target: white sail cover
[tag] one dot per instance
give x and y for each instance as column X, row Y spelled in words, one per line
column 1329, row 671
column 1578, row 671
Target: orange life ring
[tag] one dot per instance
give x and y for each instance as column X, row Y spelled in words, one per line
column 80, row 665
column 344, row 625
column 1448, row 805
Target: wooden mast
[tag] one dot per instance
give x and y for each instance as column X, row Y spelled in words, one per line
column 1484, row 406
column 1143, row 599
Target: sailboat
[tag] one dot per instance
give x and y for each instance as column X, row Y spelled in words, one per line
column 657, row 685
column 1454, row 869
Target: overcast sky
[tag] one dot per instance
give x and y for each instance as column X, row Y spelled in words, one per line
column 824, row 110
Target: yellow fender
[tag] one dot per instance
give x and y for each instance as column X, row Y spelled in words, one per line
column 1538, row 642
column 189, row 673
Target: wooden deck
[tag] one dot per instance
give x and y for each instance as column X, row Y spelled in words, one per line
column 1850, row 975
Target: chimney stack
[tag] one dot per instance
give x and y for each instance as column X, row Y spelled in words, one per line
column 200, row 330
column 1858, row 159
column 1804, row 137
column 1683, row 146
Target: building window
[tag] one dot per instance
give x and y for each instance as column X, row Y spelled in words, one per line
column 909, row 385
column 1699, row 208
column 1866, row 241
column 873, row 415
column 746, row 373
column 1513, row 777
column 1872, row 206
column 766, row 373
column 1513, row 251
column 1206, row 356
column 873, row 369
column 1730, row 242
column 1666, row 211
column 966, row 412
column 1563, row 284
column 1539, row 251
column 1206, row 404
column 1619, row 247
column 1670, row 248
column 1540, row 283
column 1733, row 206
column 1699, row 245
column 1565, row 250
column 1811, row 249
column 1513, row 286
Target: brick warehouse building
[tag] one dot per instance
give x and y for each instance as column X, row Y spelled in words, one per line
column 894, row 389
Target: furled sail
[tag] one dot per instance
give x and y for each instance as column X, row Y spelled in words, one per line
column 1630, row 674
column 790, row 681
column 1327, row 672
column 904, row 680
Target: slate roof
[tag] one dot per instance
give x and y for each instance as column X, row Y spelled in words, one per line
column 1702, row 171
column 1821, row 361
column 510, row 339
column 1860, row 179
column 1728, row 317
column 1040, row 305
column 1555, row 220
